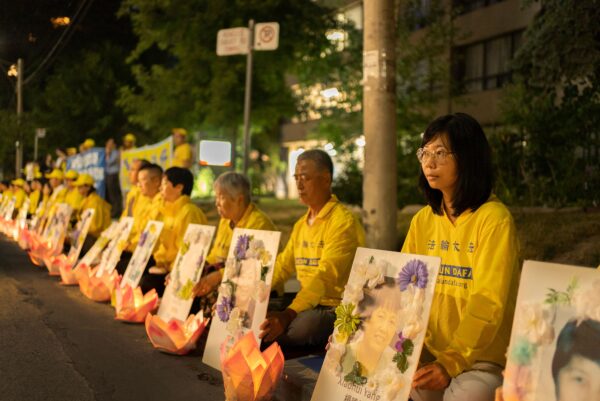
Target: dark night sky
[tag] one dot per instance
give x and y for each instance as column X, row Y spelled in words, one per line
column 26, row 30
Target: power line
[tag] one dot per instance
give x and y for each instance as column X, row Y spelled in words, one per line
column 66, row 36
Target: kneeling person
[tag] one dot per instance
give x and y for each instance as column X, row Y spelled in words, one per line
column 320, row 251
column 91, row 200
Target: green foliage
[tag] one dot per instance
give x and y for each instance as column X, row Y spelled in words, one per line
column 549, row 148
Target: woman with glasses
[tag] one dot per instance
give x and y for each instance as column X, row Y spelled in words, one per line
column 474, row 234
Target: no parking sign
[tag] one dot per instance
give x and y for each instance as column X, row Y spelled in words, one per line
column 266, row 36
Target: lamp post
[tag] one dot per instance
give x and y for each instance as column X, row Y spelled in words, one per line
column 18, row 73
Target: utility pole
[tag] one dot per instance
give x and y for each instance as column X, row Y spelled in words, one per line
column 248, row 97
column 19, row 141
column 379, row 121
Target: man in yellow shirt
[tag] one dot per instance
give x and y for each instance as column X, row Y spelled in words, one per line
column 233, row 202
column 36, row 193
column 59, row 191
column 91, row 200
column 182, row 154
column 177, row 213
column 320, row 251
column 147, row 208
column 18, row 192
column 73, row 197
column 133, row 195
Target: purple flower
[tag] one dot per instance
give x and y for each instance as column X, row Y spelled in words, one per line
column 400, row 343
column 143, row 238
column 242, row 246
column 224, row 308
column 415, row 272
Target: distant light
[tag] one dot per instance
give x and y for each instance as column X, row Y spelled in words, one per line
column 332, row 152
column 60, row 21
column 360, row 141
column 328, row 147
column 12, row 71
column 330, row 92
column 335, row 35
column 215, row 153
column 293, row 159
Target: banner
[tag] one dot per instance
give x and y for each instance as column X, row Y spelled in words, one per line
column 160, row 153
column 93, row 163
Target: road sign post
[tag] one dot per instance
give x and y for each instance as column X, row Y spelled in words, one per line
column 234, row 41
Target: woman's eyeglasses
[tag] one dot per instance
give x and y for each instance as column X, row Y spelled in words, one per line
column 438, row 156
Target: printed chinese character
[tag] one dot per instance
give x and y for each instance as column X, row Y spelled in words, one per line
column 471, row 247
column 348, row 397
column 445, row 245
column 456, row 246
column 431, row 244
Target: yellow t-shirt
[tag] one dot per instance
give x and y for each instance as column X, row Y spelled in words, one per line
column 145, row 210
column 321, row 254
column 101, row 219
column 58, row 194
column 176, row 217
column 253, row 218
column 34, row 200
column 73, row 198
column 476, row 289
column 130, row 201
column 20, row 196
column 182, row 155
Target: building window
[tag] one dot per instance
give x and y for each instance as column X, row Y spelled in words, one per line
column 485, row 65
column 466, row 6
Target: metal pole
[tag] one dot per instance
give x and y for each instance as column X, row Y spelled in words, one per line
column 379, row 118
column 248, row 97
column 35, row 146
column 19, row 143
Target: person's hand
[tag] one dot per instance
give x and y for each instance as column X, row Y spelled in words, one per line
column 167, row 279
column 432, row 376
column 208, row 283
column 276, row 324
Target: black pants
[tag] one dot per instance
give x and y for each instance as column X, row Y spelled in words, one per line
column 148, row 281
column 113, row 195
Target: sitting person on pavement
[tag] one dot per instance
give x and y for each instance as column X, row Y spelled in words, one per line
column 91, row 200
column 132, row 197
column 320, row 252
column 73, row 196
column 233, row 202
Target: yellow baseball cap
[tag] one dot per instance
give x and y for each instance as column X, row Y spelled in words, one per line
column 19, row 182
column 37, row 175
column 129, row 138
column 89, row 143
column 71, row 175
column 84, row 179
column 179, row 131
column 71, row 151
column 56, row 173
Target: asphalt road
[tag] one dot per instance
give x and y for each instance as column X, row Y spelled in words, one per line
column 55, row 344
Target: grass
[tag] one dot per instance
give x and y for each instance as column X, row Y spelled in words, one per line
column 560, row 237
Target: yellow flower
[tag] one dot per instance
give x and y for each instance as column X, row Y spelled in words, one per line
column 346, row 322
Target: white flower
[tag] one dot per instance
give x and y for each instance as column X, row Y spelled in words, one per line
column 376, row 273
column 387, row 376
column 535, row 321
column 262, row 291
column 254, row 249
column 334, row 357
column 372, row 385
column 236, row 319
column 359, row 275
column 353, row 294
column 587, row 303
column 413, row 327
column 230, row 270
column 225, row 290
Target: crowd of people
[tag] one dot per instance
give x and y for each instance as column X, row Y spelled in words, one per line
column 463, row 223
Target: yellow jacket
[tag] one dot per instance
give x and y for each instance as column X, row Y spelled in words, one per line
column 131, row 201
column 182, row 155
column 101, row 219
column 145, row 210
column 176, row 217
column 58, row 194
column 73, row 198
column 475, row 293
column 20, row 196
column 34, row 200
column 321, row 254
column 253, row 218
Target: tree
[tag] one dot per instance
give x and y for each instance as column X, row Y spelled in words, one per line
column 552, row 111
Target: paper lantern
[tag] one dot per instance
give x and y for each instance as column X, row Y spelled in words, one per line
column 133, row 306
column 53, row 263
column 248, row 374
column 97, row 289
column 70, row 275
column 25, row 238
column 175, row 337
column 40, row 248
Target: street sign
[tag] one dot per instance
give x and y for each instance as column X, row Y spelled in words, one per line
column 233, row 41
column 40, row 132
column 266, row 36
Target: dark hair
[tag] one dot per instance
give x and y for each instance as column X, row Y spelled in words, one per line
column 321, row 159
column 576, row 339
column 152, row 168
column 473, row 157
column 143, row 162
column 183, row 176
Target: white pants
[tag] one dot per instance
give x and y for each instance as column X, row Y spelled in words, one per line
column 477, row 384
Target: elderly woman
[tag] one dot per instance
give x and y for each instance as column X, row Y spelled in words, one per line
column 91, row 200
column 232, row 198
